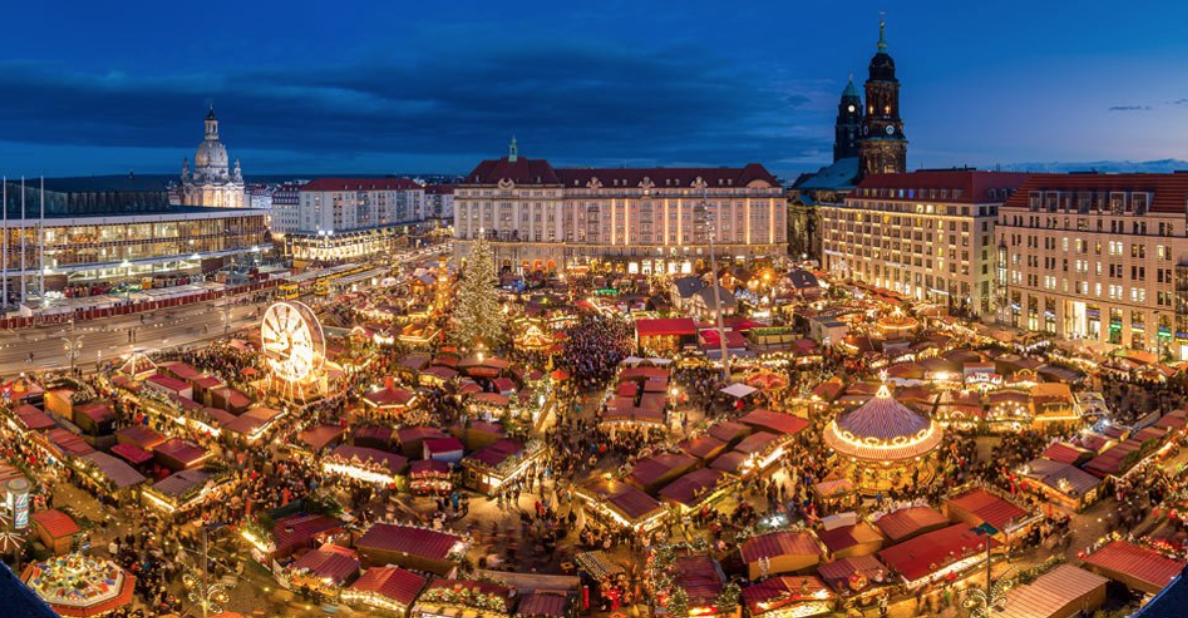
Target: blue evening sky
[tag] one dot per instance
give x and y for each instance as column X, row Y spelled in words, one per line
column 104, row 87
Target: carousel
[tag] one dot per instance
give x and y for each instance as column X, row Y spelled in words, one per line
column 898, row 325
column 532, row 338
column 884, row 444
column 77, row 585
column 773, row 385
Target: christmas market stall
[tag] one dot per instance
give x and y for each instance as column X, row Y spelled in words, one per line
column 111, row 475
column 618, row 503
column 503, row 461
column 1137, row 567
column 909, row 522
column 846, row 535
column 184, row 490
column 389, row 589
column 56, row 530
column 411, row 547
column 782, row 551
column 430, row 477
column 453, row 598
column 1063, row 592
column 857, row 578
column 789, row 597
column 324, row 570
column 365, row 464
column 933, row 556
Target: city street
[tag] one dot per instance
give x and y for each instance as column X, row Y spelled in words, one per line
column 108, row 338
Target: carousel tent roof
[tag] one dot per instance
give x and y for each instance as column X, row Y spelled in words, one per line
column 883, row 429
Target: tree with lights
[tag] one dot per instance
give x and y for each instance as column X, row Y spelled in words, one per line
column 478, row 317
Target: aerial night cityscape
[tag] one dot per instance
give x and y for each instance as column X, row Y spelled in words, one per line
column 627, row 310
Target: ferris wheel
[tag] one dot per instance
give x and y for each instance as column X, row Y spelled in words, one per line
column 292, row 340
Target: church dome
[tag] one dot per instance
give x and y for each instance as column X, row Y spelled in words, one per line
column 211, row 154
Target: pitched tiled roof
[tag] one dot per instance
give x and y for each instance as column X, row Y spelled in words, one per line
column 392, row 582
column 543, row 604
column 1050, row 593
column 906, row 522
column 56, row 523
column 651, row 469
column 780, row 591
column 931, row 552
column 498, row 452
column 989, row 508
column 837, row 573
column 409, row 540
column 782, row 543
column 700, row 576
column 1171, row 190
column 658, row 327
column 326, row 563
column 1140, row 563
column 296, row 530
column 690, row 488
column 774, row 422
column 975, row 186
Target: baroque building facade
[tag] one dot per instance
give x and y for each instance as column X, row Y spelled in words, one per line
column 213, row 181
column 646, row 220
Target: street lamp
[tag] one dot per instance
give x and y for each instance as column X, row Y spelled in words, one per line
column 73, row 344
column 983, row 602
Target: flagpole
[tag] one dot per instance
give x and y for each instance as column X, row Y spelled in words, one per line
column 41, row 246
column 22, row 240
column 4, row 199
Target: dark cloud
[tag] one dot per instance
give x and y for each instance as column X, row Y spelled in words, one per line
column 1180, row 102
column 564, row 100
column 1130, row 108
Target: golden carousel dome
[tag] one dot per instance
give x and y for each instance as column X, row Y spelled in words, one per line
column 897, row 322
column 883, row 429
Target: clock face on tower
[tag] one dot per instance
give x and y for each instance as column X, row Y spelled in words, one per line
column 850, row 109
column 890, row 129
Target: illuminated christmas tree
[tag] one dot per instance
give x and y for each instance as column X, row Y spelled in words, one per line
column 478, row 316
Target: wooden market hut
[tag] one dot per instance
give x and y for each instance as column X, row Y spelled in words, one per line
column 56, row 530
column 784, row 551
column 411, row 547
column 1137, row 567
column 652, row 473
column 389, row 589
column 786, row 595
column 910, row 522
column 1063, row 592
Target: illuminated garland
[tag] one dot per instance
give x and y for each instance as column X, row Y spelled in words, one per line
column 465, row 597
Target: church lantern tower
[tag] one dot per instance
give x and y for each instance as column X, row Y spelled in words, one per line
column 849, row 123
column 883, row 146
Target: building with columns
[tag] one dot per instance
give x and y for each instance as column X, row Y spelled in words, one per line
column 1098, row 257
column 926, row 234
column 213, row 181
column 641, row 220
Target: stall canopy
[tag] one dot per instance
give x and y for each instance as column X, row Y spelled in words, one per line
column 738, row 390
column 1061, row 592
